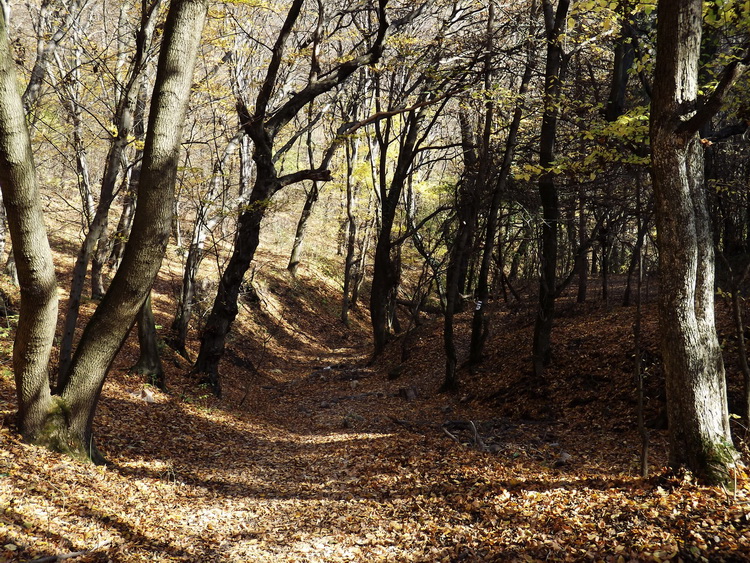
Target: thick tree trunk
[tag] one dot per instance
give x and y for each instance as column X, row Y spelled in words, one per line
column 33, row 256
column 461, row 245
column 110, row 324
column 64, row 421
column 127, row 107
column 384, row 279
column 693, row 366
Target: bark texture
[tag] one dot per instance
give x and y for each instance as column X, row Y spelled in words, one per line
column 33, row 257
column 693, row 366
column 64, row 421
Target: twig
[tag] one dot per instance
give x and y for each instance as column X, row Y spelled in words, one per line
column 451, row 436
column 477, row 438
column 62, row 557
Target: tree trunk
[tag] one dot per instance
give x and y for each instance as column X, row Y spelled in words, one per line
column 124, row 122
column 385, row 272
column 310, row 200
column 33, row 256
column 207, row 217
column 583, row 268
column 65, row 421
column 360, row 265
column 125, row 222
column 699, row 431
column 542, row 348
column 262, row 126
column 467, row 209
column 149, row 361
column 479, row 328
column 225, row 309
column 352, row 150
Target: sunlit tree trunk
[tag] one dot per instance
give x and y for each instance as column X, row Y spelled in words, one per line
column 124, row 121
column 692, row 361
column 33, row 256
column 64, row 421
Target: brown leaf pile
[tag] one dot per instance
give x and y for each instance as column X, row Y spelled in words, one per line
column 313, row 456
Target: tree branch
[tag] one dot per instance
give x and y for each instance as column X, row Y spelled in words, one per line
column 319, row 175
column 418, row 226
column 713, row 104
column 335, row 77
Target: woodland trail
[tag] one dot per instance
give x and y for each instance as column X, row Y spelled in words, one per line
column 317, row 458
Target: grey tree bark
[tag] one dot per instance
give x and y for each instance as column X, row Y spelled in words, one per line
column 64, row 421
column 33, row 256
column 124, row 122
column 699, row 431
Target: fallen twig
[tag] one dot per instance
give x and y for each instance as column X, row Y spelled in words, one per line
column 63, row 556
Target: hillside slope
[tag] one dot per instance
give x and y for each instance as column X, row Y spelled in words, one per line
column 314, row 455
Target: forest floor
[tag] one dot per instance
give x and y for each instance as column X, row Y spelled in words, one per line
column 314, row 455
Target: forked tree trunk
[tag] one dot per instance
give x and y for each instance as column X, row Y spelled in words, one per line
column 263, row 126
column 467, row 208
column 65, row 420
column 385, row 275
column 699, row 431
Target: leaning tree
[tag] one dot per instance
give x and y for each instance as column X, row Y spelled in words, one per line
column 63, row 418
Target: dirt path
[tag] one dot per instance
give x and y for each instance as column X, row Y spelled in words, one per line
column 326, row 460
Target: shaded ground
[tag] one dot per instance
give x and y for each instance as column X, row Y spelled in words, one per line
column 315, row 456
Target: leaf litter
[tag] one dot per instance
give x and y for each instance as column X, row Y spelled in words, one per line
column 316, row 456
